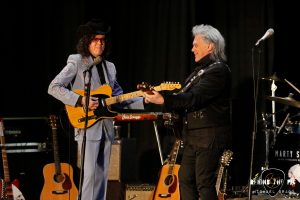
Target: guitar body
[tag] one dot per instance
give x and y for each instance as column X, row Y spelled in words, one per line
column 58, row 187
column 77, row 114
column 10, row 191
column 221, row 196
column 168, row 185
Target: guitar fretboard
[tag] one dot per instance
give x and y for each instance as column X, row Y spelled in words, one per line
column 173, row 156
column 139, row 93
column 123, row 97
column 220, row 174
column 55, row 144
column 4, row 154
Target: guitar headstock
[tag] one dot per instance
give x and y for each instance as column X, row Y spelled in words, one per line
column 52, row 119
column 179, row 143
column 226, row 157
column 167, row 86
column 163, row 86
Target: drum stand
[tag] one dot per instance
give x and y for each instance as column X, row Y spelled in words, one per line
column 273, row 89
column 268, row 130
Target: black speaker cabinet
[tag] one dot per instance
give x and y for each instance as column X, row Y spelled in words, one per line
column 27, row 168
column 123, row 164
column 139, row 191
column 27, row 149
column 115, row 190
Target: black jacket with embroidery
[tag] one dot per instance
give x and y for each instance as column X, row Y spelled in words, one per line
column 207, row 102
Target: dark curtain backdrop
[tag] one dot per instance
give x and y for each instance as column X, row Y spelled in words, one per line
column 151, row 41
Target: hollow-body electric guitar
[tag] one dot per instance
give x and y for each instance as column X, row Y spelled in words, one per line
column 8, row 190
column 168, row 185
column 77, row 115
column 58, row 177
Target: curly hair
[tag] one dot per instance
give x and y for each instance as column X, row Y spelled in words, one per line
column 82, row 46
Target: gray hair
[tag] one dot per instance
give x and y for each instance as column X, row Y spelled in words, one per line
column 212, row 35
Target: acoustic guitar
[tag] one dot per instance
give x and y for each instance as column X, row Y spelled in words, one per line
column 77, row 115
column 58, row 177
column 8, row 190
column 224, row 161
column 168, row 184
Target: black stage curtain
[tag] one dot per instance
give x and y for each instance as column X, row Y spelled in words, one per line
column 151, row 42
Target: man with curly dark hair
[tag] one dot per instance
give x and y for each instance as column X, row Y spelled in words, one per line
column 91, row 62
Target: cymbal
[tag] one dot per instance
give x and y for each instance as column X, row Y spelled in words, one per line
column 272, row 78
column 285, row 100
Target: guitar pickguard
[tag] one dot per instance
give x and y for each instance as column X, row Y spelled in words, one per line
column 9, row 191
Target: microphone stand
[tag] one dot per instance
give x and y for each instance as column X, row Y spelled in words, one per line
column 254, row 131
column 87, row 89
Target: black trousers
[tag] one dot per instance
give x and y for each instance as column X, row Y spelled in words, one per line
column 200, row 161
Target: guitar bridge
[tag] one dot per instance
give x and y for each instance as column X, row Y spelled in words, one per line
column 59, row 192
column 164, row 195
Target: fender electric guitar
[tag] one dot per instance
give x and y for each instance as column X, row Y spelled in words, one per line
column 224, row 161
column 8, row 190
column 168, row 185
column 104, row 93
column 58, row 177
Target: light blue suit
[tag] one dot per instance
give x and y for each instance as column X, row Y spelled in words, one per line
column 96, row 161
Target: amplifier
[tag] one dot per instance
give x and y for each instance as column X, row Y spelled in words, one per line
column 123, row 164
column 25, row 129
column 115, row 190
column 139, row 191
column 114, row 169
column 26, row 134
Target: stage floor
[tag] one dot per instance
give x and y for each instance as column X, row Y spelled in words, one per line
column 265, row 197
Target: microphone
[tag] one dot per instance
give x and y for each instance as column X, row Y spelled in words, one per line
column 96, row 61
column 268, row 34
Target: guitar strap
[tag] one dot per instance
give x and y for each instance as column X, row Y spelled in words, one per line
column 194, row 77
column 101, row 72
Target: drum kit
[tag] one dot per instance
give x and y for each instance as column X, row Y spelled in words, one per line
column 287, row 101
column 288, row 132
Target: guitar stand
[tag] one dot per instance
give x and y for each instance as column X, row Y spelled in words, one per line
column 144, row 116
column 158, row 142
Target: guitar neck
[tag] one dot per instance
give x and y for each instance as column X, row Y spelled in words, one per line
column 173, row 156
column 220, row 174
column 4, row 154
column 123, row 97
column 131, row 95
column 56, row 152
column 225, row 180
column 55, row 144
